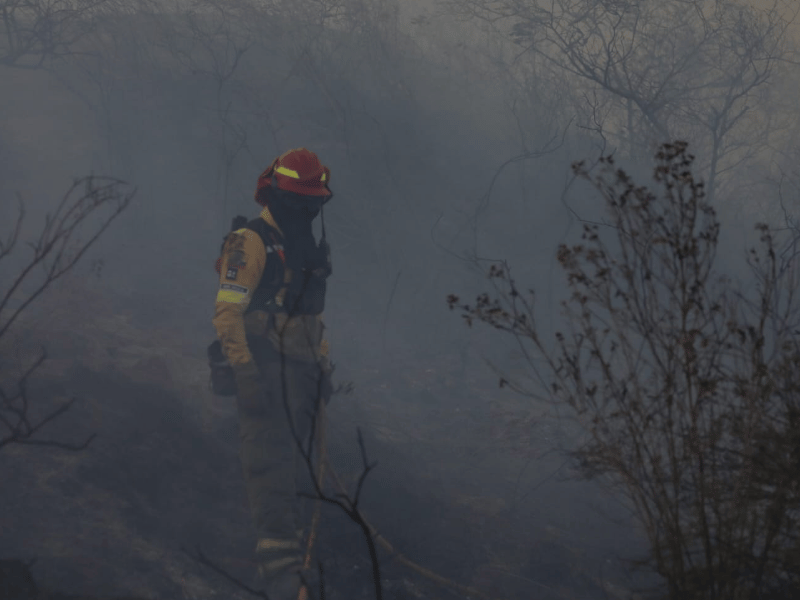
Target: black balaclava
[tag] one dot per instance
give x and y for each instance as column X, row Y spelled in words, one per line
column 295, row 214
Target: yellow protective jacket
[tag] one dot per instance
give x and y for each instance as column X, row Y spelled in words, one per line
column 244, row 258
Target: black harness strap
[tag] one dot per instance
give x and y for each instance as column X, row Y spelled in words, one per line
column 271, row 282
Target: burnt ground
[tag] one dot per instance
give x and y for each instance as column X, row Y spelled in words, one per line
column 465, row 485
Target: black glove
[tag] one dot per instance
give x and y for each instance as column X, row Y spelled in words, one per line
column 250, row 388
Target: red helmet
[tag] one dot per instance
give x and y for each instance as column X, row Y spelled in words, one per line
column 298, row 171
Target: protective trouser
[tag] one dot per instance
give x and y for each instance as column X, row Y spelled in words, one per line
column 272, row 464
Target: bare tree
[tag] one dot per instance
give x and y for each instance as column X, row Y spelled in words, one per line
column 698, row 70
column 209, row 40
column 686, row 388
column 35, row 32
column 91, row 204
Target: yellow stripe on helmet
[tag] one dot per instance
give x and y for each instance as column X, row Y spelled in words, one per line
column 287, row 172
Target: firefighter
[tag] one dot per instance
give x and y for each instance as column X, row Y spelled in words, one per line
column 268, row 320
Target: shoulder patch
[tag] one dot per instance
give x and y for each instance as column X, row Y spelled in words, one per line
column 234, row 241
column 234, row 249
column 236, row 260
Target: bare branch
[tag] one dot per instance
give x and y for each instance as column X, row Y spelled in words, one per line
column 58, row 248
column 666, row 69
column 15, row 419
column 33, row 33
column 687, row 389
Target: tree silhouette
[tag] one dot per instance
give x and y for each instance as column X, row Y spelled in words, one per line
column 55, row 251
column 688, row 388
